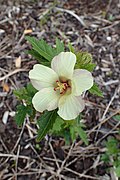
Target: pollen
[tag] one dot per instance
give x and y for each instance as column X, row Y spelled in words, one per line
column 61, row 86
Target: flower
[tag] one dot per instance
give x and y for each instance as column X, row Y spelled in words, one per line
column 60, row 86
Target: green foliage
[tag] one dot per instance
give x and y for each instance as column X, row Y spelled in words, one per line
column 117, row 117
column 95, row 90
column 59, row 46
column 38, row 57
column 49, row 121
column 71, row 48
column 26, row 94
column 117, row 171
column 45, row 123
column 112, row 146
column 77, row 129
column 82, row 134
column 84, row 61
column 69, row 129
column 42, row 49
column 21, row 114
column 59, row 123
column 113, row 151
column 105, row 158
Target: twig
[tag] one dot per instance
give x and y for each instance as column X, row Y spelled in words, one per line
column 63, row 163
column 18, row 140
column 82, row 175
column 73, row 14
column 109, row 104
column 89, row 103
column 12, row 73
column 108, row 133
column 14, row 156
column 54, row 155
column 104, row 120
column 106, row 110
column 16, row 164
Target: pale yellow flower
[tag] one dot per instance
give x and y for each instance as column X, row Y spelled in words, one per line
column 60, row 86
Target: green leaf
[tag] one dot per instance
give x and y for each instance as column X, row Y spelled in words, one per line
column 57, row 125
column 105, row 158
column 66, row 136
column 38, row 57
column 117, row 171
column 76, row 129
column 84, row 61
column 95, row 90
column 45, row 123
column 20, row 93
column 21, row 114
column 42, row 49
column 59, row 46
column 83, row 58
column 30, row 90
column 90, row 67
column 111, row 145
column 73, row 133
column 82, row 135
column 117, row 117
column 26, row 93
column 71, row 48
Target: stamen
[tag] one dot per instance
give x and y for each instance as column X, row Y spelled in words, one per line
column 62, row 87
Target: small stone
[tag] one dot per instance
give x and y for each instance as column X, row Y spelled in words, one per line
column 109, row 38
column 2, row 31
column 5, row 117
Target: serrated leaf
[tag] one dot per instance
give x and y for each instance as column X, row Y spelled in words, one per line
column 45, row 123
column 90, row 67
column 76, row 129
column 57, row 125
column 73, row 133
column 21, row 114
column 117, row 117
column 105, row 158
column 20, row 93
column 95, row 90
column 30, row 90
column 111, row 145
column 71, row 48
column 59, row 46
column 66, row 136
column 83, row 59
column 117, row 171
column 26, row 93
column 82, row 135
column 41, row 47
column 38, row 57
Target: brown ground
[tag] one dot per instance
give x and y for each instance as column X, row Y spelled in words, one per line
column 96, row 29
